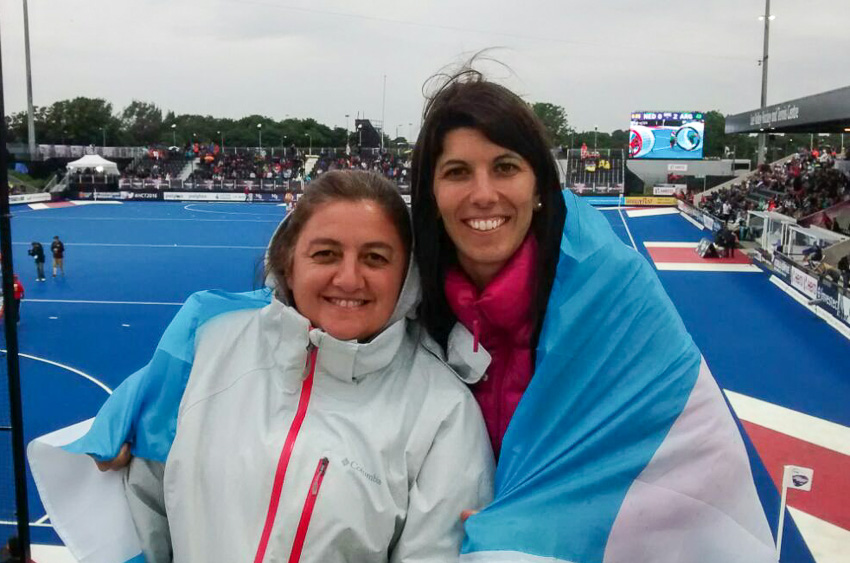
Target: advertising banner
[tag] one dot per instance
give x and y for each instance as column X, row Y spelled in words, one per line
column 649, row 200
column 203, row 196
column 29, row 198
column 136, row 195
column 802, row 281
column 783, row 267
column 268, row 197
column 828, row 297
column 99, row 195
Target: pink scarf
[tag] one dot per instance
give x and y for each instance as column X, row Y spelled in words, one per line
column 499, row 317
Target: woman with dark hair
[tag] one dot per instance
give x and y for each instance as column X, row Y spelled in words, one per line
column 304, row 424
column 614, row 441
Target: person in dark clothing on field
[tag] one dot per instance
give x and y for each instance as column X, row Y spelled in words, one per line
column 726, row 239
column 37, row 252
column 58, row 249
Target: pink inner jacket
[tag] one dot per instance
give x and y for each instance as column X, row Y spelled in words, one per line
column 499, row 317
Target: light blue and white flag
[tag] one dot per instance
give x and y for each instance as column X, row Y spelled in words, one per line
column 622, row 448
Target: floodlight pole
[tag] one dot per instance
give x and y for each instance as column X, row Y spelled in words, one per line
column 16, row 417
column 763, row 136
column 383, row 112
column 30, row 108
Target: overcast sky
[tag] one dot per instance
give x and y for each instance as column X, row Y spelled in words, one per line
column 327, row 58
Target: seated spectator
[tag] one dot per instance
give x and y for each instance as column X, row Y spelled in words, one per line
column 812, row 255
column 844, row 269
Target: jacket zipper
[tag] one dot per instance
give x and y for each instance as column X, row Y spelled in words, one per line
column 286, row 452
column 307, row 511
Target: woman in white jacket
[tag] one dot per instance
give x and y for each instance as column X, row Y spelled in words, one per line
column 317, row 428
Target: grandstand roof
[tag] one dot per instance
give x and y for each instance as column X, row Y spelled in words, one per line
column 828, row 112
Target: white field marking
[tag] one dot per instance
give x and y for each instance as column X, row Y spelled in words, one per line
column 125, row 325
column 221, row 212
column 842, row 329
column 696, row 267
column 626, row 225
column 52, row 318
column 36, row 524
column 827, row 542
column 98, row 202
column 83, row 302
column 62, row 218
column 671, row 244
column 39, row 206
column 652, row 212
column 187, row 208
column 52, row 553
column 42, row 520
column 69, row 368
column 692, row 221
column 174, row 245
column 806, row 427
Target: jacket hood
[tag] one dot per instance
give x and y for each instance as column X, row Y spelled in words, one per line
column 408, row 297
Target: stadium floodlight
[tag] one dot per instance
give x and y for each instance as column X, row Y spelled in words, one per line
column 260, row 135
column 766, row 18
column 771, row 18
column 30, row 107
column 311, row 142
column 221, row 137
column 174, row 134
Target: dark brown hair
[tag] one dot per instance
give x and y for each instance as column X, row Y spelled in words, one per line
column 466, row 99
column 337, row 185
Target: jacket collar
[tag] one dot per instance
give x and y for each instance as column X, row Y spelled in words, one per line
column 346, row 361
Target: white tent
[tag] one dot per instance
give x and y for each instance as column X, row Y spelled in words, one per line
column 92, row 161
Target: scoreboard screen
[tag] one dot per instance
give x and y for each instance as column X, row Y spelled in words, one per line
column 667, row 135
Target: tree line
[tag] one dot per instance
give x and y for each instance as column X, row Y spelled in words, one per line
column 93, row 121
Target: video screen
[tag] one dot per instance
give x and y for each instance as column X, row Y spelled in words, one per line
column 667, row 135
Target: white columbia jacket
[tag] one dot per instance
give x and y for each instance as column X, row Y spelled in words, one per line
column 290, row 440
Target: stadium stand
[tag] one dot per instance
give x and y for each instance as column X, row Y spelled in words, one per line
column 589, row 171
column 799, row 187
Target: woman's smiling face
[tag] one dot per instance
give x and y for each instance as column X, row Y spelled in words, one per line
column 347, row 269
column 485, row 195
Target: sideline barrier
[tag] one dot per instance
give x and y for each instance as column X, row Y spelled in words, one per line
column 29, row 198
column 650, row 200
column 823, row 292
column 153, row 195
column 829, row 296
column 711, row 222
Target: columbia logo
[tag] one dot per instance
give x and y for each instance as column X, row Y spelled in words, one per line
column 359, row 469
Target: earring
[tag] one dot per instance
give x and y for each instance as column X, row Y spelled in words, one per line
column 538, row 206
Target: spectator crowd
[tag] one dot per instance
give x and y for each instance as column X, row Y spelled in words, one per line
column 807, row 183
